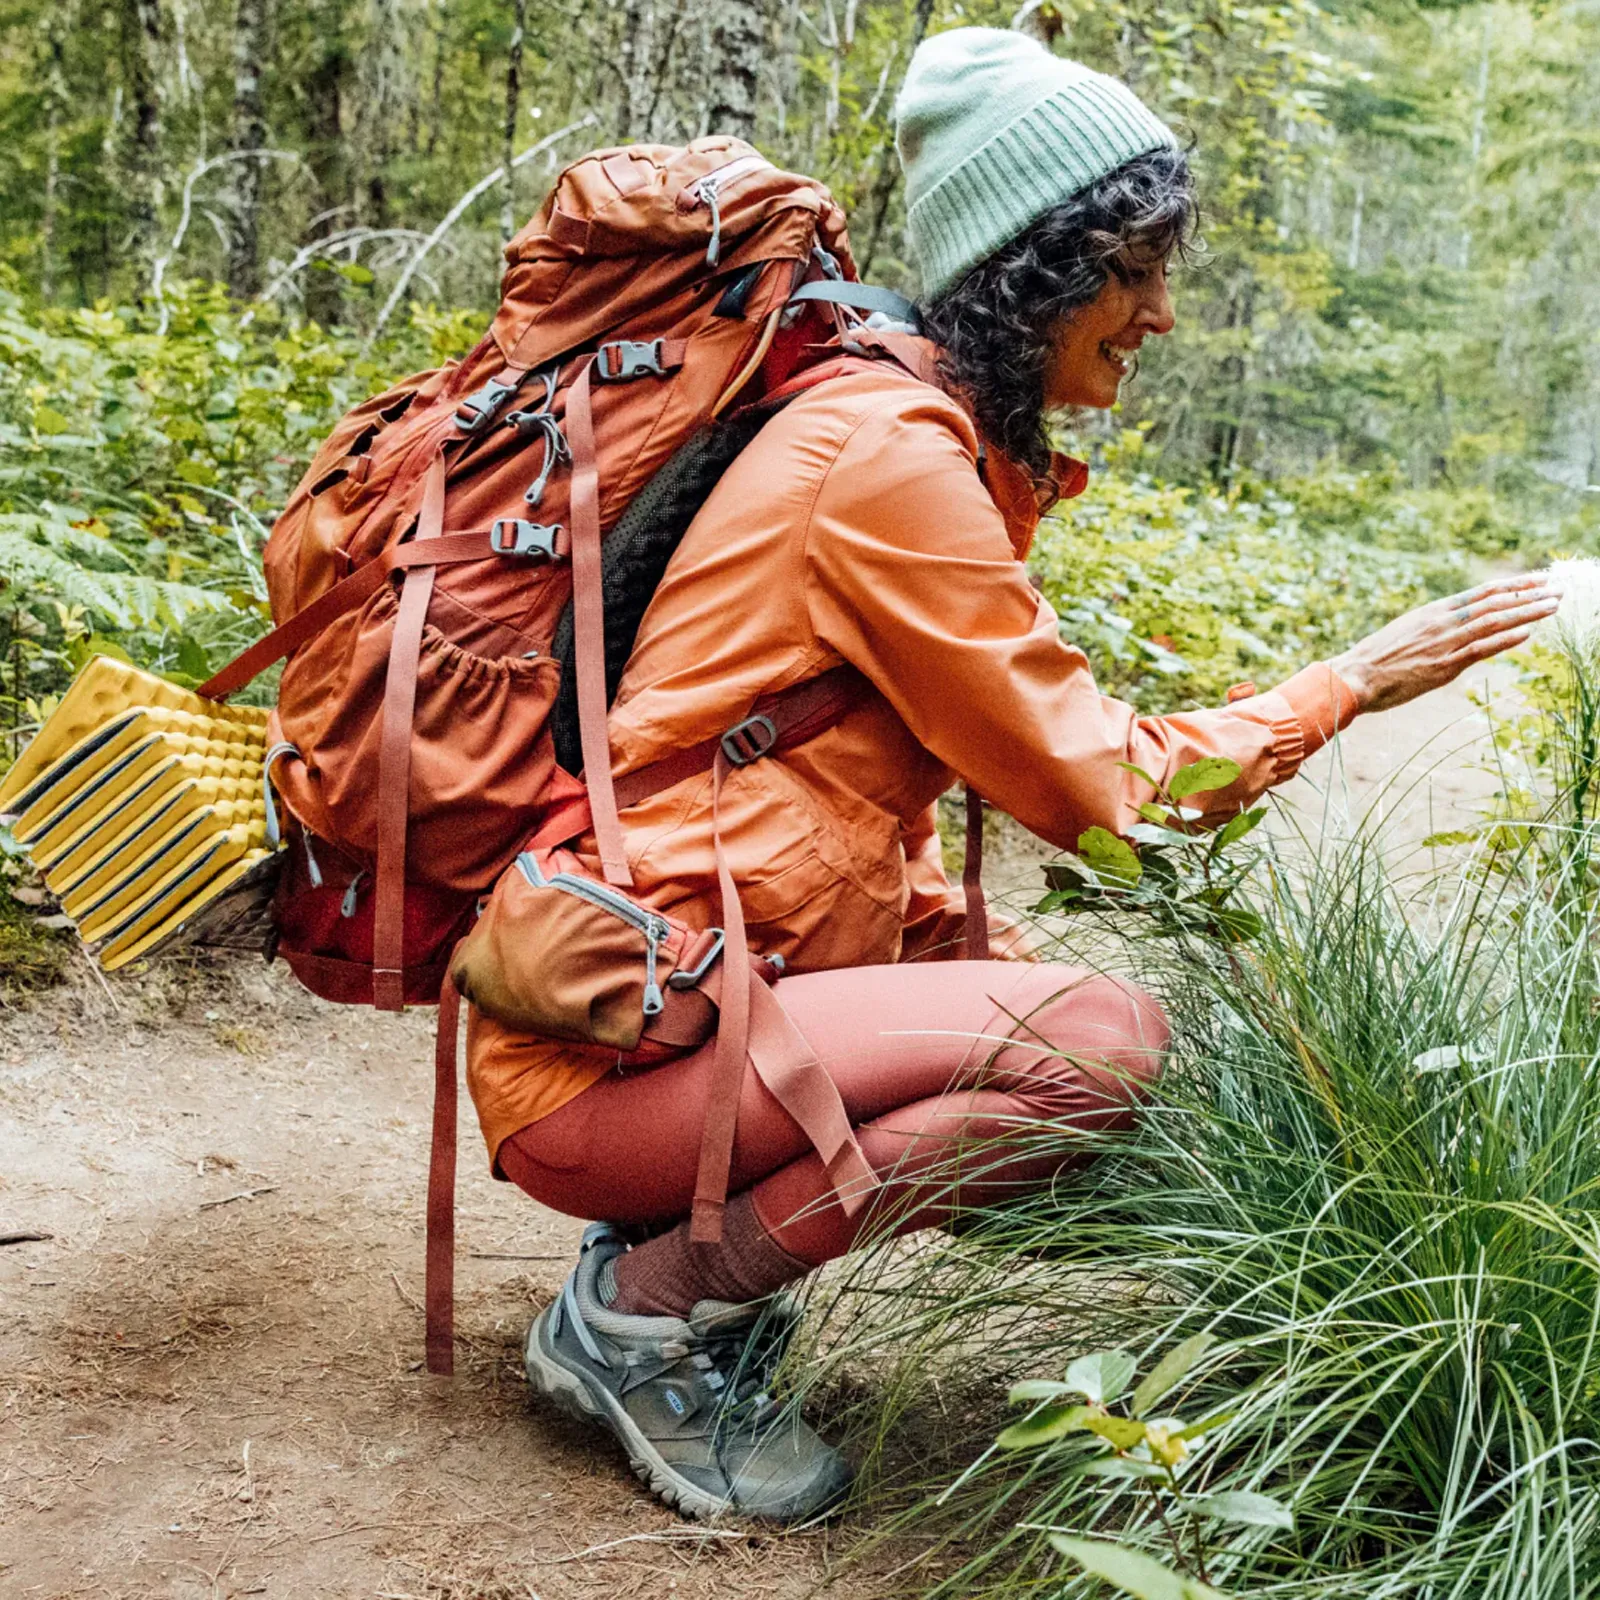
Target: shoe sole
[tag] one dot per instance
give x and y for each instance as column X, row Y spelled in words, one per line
column 569, row 1389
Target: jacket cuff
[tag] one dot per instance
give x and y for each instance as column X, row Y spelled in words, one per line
column 1303, row 714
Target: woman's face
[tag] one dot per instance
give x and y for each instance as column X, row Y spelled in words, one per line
column 1095, row 347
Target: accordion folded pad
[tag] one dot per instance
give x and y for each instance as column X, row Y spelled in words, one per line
column 102, row 691
column 141, row 804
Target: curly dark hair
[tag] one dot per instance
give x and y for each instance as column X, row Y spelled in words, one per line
column 997, row 325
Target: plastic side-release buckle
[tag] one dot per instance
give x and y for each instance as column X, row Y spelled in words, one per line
column 511, row 536
column 623, row 359
column 481, row 405
column 687, row 978
column 749, row 740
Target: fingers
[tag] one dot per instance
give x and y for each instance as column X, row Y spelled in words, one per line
column 1496, row 644
column 1495, row 608
column 1497, row 586
column 1512, row 612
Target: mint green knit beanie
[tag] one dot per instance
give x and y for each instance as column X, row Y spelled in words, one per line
column 994, row 131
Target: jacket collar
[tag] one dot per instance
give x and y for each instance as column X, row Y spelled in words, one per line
column 1011, row 488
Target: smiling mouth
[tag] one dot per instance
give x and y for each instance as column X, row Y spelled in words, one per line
column 1120, row 356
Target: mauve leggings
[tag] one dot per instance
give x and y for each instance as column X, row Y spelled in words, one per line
column 933, row 1061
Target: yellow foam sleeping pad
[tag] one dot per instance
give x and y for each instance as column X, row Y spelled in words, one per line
column 144, row 808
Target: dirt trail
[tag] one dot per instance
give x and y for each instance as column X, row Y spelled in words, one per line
column 209, row 1372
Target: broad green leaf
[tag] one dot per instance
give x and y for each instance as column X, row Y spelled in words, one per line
column 1053, row 1423
column 1201, row 777
column 1451, row 836
column 354, row 272
column 1131, row 1571
column 1172, row 1368
column 1161, row 838
column 1139, row 772
column 1236, row 924
column 1239, row 1505
column 1116, row 1467
column 1067, row 873
column 1152, row 812
column 1031, row 1389
column 1123, row 1432
column 192, row 660
column 50, row 421
column 1239, row 826
column 1108, row 856
column 1102, row 1376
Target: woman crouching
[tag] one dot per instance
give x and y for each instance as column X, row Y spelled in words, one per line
column 882, row 521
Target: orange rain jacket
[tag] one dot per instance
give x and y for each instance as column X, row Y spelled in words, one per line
column 858, row 527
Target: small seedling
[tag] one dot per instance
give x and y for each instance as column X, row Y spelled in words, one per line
column 1186, row 880
column 1155, row 1452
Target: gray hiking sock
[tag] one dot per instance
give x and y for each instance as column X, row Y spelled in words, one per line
column 669, row 1276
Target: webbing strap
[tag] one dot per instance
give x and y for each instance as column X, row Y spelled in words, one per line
column 588, row 630
column 858, row 297
column 752, row 1027
column 972, row 880
column 797, row 714
column 394, row 759
column 438, row 1295
column 733, row 1037
column 788, row 1066
column 344, row 596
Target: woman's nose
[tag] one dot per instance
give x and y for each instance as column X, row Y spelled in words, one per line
column 1155, row 312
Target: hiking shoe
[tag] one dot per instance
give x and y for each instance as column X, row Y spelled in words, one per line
column 685, row 1396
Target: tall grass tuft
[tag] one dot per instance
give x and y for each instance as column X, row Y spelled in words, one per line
column 1373, row 1173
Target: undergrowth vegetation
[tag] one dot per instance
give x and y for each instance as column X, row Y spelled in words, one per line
column 1368, row 1185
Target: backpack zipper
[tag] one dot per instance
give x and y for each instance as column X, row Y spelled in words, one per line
column 708, row 190
column 651, row 926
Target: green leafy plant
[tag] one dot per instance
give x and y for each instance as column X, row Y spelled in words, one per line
column 1129, row 1442
column 1185, row 880
column 1370, row 1172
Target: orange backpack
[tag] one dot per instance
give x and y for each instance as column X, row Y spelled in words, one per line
column 426, row 564
column 460, row 575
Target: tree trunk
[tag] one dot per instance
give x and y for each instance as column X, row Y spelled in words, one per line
column 326, row 154
column 139, row 28
column 58, row 19
column 252, row 21
column 738, row 40
column 638, row 51
column 383, row 66
column 508, row 204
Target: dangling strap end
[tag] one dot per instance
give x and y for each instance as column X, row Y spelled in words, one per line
column 616, row 871
column 705, row 1221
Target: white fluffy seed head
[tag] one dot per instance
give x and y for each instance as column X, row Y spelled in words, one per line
column 1576, row 624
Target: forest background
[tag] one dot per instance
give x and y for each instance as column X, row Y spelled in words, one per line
column 222, row 222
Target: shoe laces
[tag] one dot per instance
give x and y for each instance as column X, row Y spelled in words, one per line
column 737, row 1364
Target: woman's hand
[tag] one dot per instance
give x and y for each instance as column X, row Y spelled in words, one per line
column 1430, row 646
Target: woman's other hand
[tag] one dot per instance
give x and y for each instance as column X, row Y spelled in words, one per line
column 1432, row 645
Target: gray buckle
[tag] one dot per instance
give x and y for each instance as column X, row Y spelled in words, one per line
column 632, row 360
column 749, row 740
column 511, row 536
column 682, row 979
column 481, row 404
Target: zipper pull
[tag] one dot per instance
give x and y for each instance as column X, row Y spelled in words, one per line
column 708, row 193
column 655, row 931
column 347, row 907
